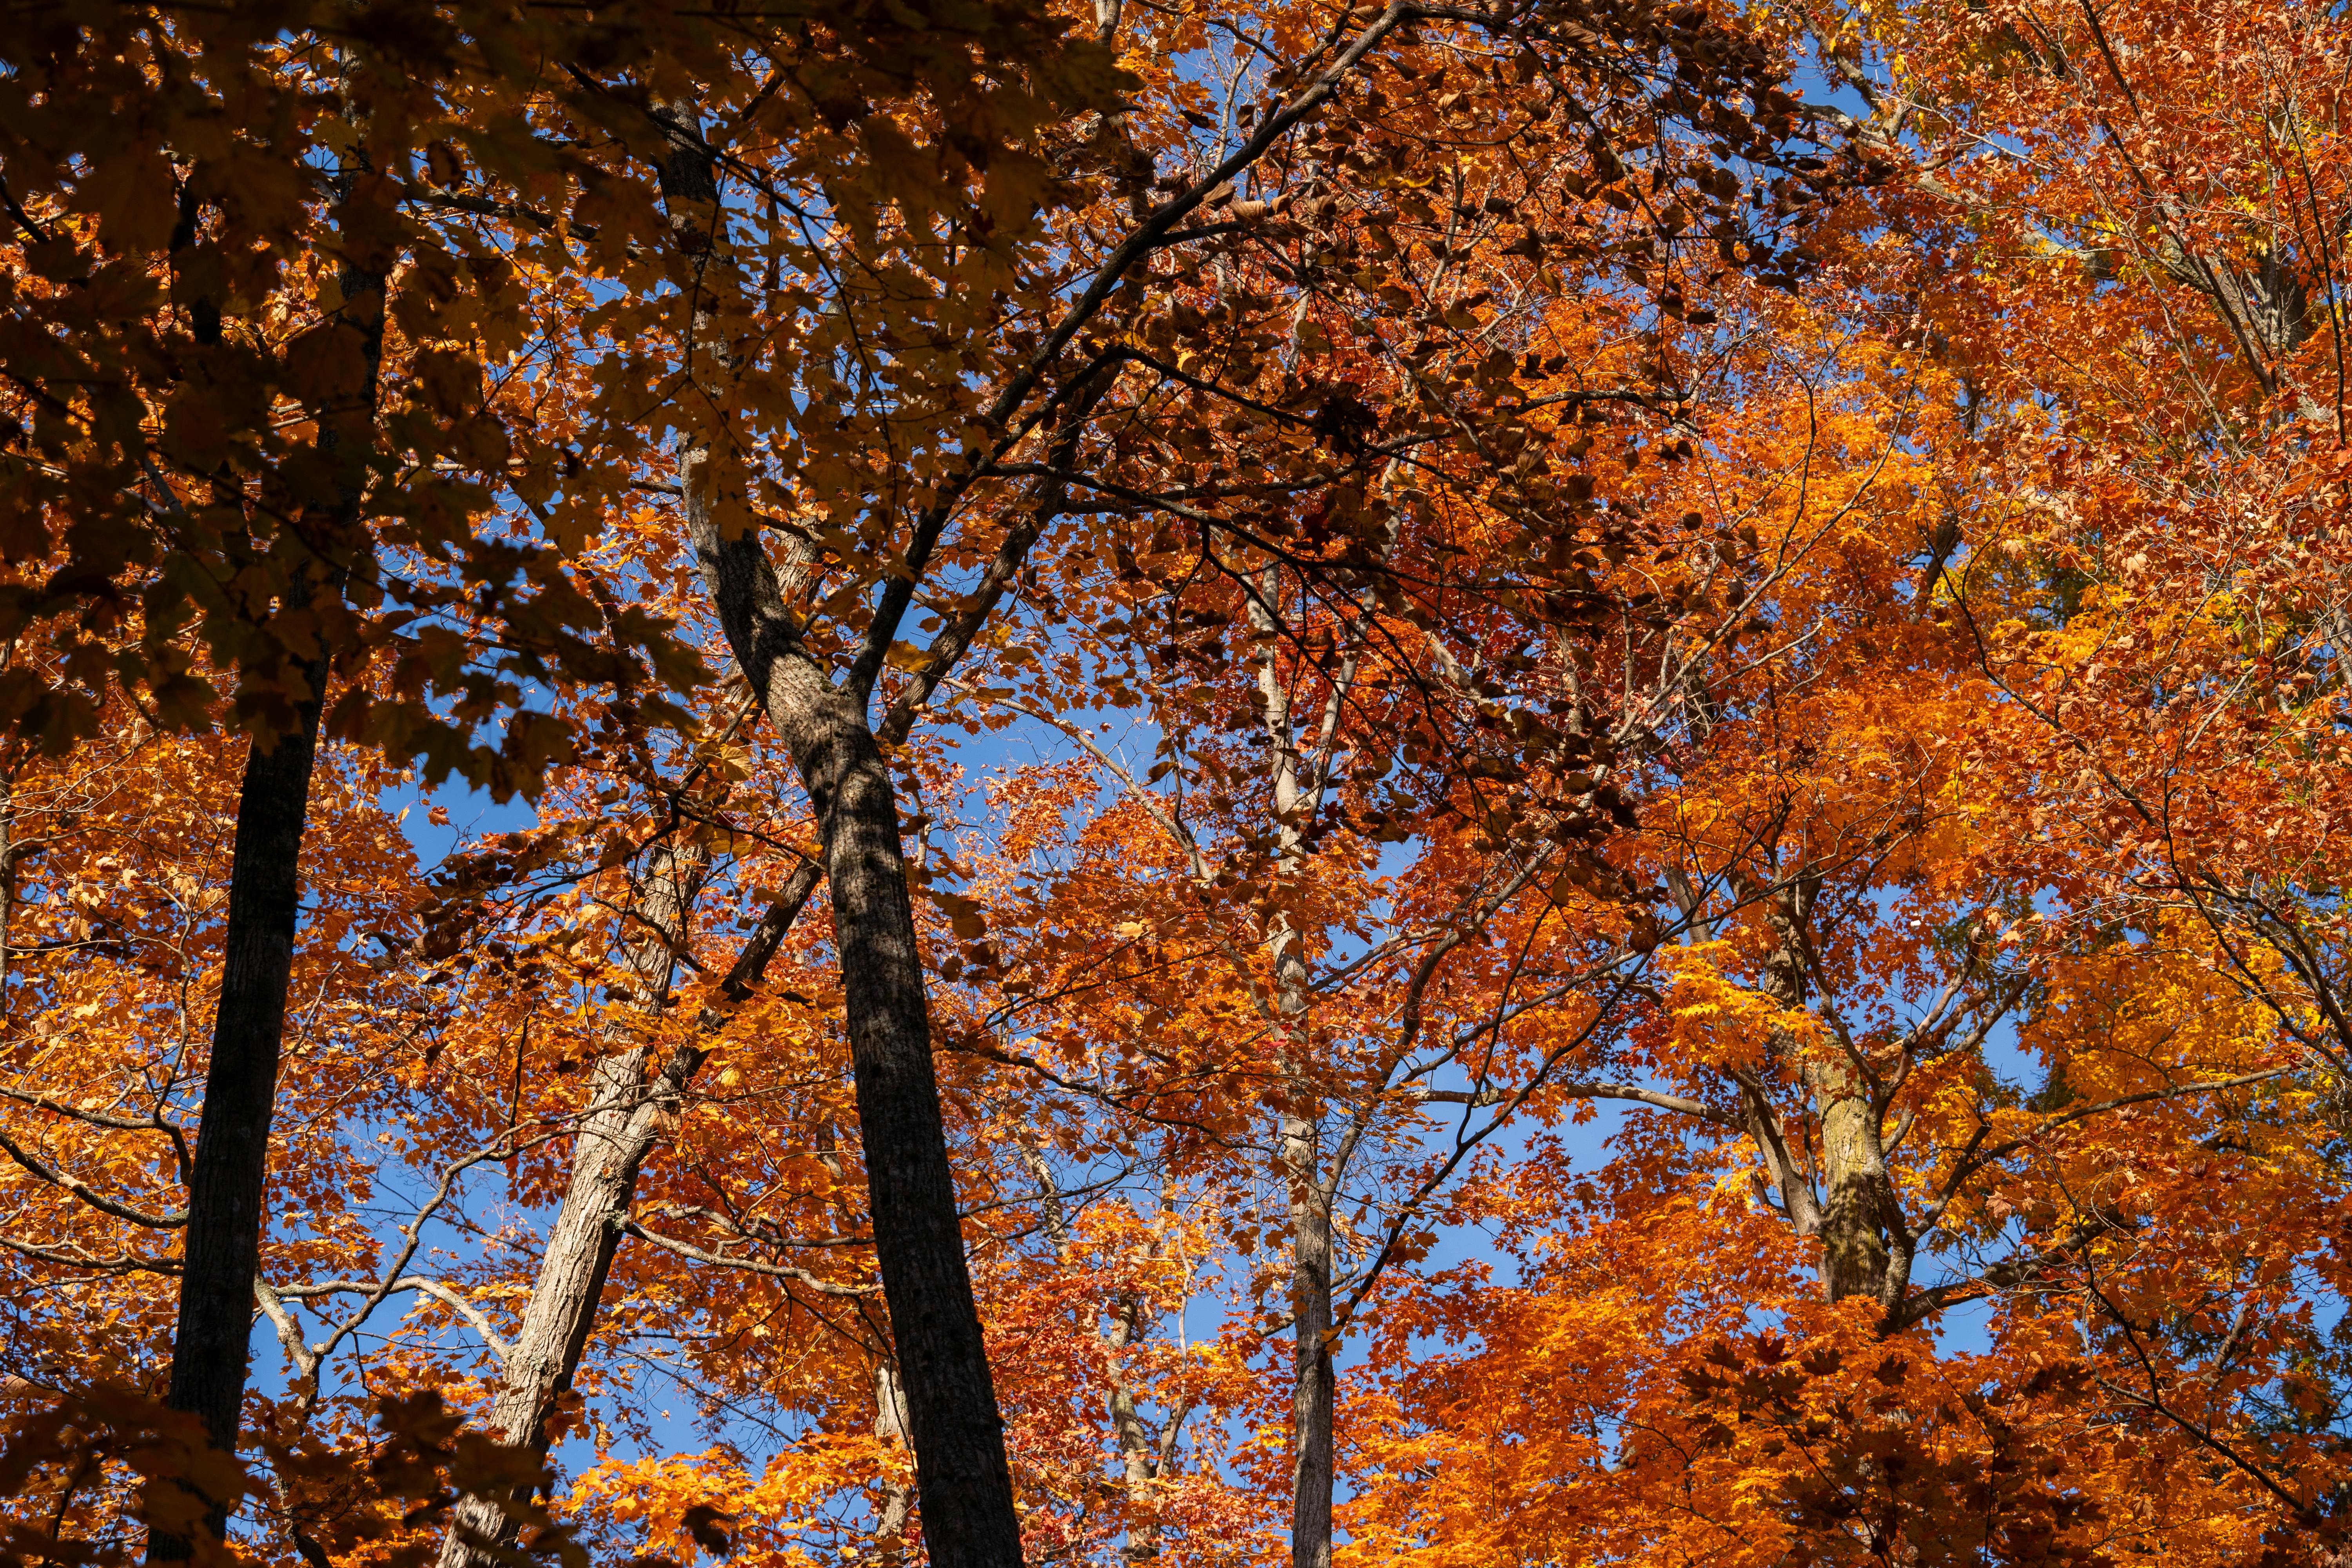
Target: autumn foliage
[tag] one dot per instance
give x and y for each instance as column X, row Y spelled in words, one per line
column 1553, row 782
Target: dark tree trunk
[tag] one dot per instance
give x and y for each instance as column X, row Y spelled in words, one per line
column 230, row 1169
column 231, row 1154
column 963, row 1485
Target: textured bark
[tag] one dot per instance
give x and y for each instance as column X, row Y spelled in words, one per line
column 230, row 1170
column 1300, row 759
column 1855, row 1193
column 890, row 1425
column 1140, row 1459
column 226, row 1178
column 1313, row 1391
column 630, row 1102
column 1853, row 1252
column 1296, row 782
column 962, row 1481
column 7, row 876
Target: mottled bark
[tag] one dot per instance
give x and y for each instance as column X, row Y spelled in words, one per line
column 7, row 876
column 897, row 1501
column 1139, row 1458
column 1313, row 1392
column 1848, row 1212
column 1300, row 1151
column 1298, row 776
column 1853, row 1182
column 629, row 1098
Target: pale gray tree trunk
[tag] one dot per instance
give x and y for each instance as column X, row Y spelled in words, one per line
column 1301, row 758
column 634, row 1096
column 1140, row 1460
column 630, row 1097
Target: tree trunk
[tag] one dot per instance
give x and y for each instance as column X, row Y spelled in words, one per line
column 1138, row 1464
column 626, row 1109
column 1314, row 1394
column 962, row 1482
column 231, row 1165
column 963, row 1485
column 890, row 1425
column 628, row 1106
column 1854, row 1191
column 1299, row 776
column 1313, row 1391
column 1853, row 1252
column 962, row 1479
column 230, row 1170
column 7, row 874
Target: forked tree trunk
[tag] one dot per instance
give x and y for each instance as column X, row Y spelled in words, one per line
column 1847, row 1216
column 1300, row 762
column 963, row 1484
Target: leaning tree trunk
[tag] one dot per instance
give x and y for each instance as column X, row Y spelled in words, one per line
column 229, row 1171
column 629, row 1103
column 962, row 1482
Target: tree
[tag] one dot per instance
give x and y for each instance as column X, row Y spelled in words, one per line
column 210, row 483
column 1957, row 815
column 1573, row 811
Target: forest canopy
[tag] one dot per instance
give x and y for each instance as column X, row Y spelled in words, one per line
column 878, row 783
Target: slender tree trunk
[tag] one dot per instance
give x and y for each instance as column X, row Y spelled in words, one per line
column 626, row 1107
column 963, row 1479
column 629, row 1103
column 1139, row 1462
column 229, row 1171
column 1313, row 1392
column 7, row 877
column 1299, row 768
column 890, row 1425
